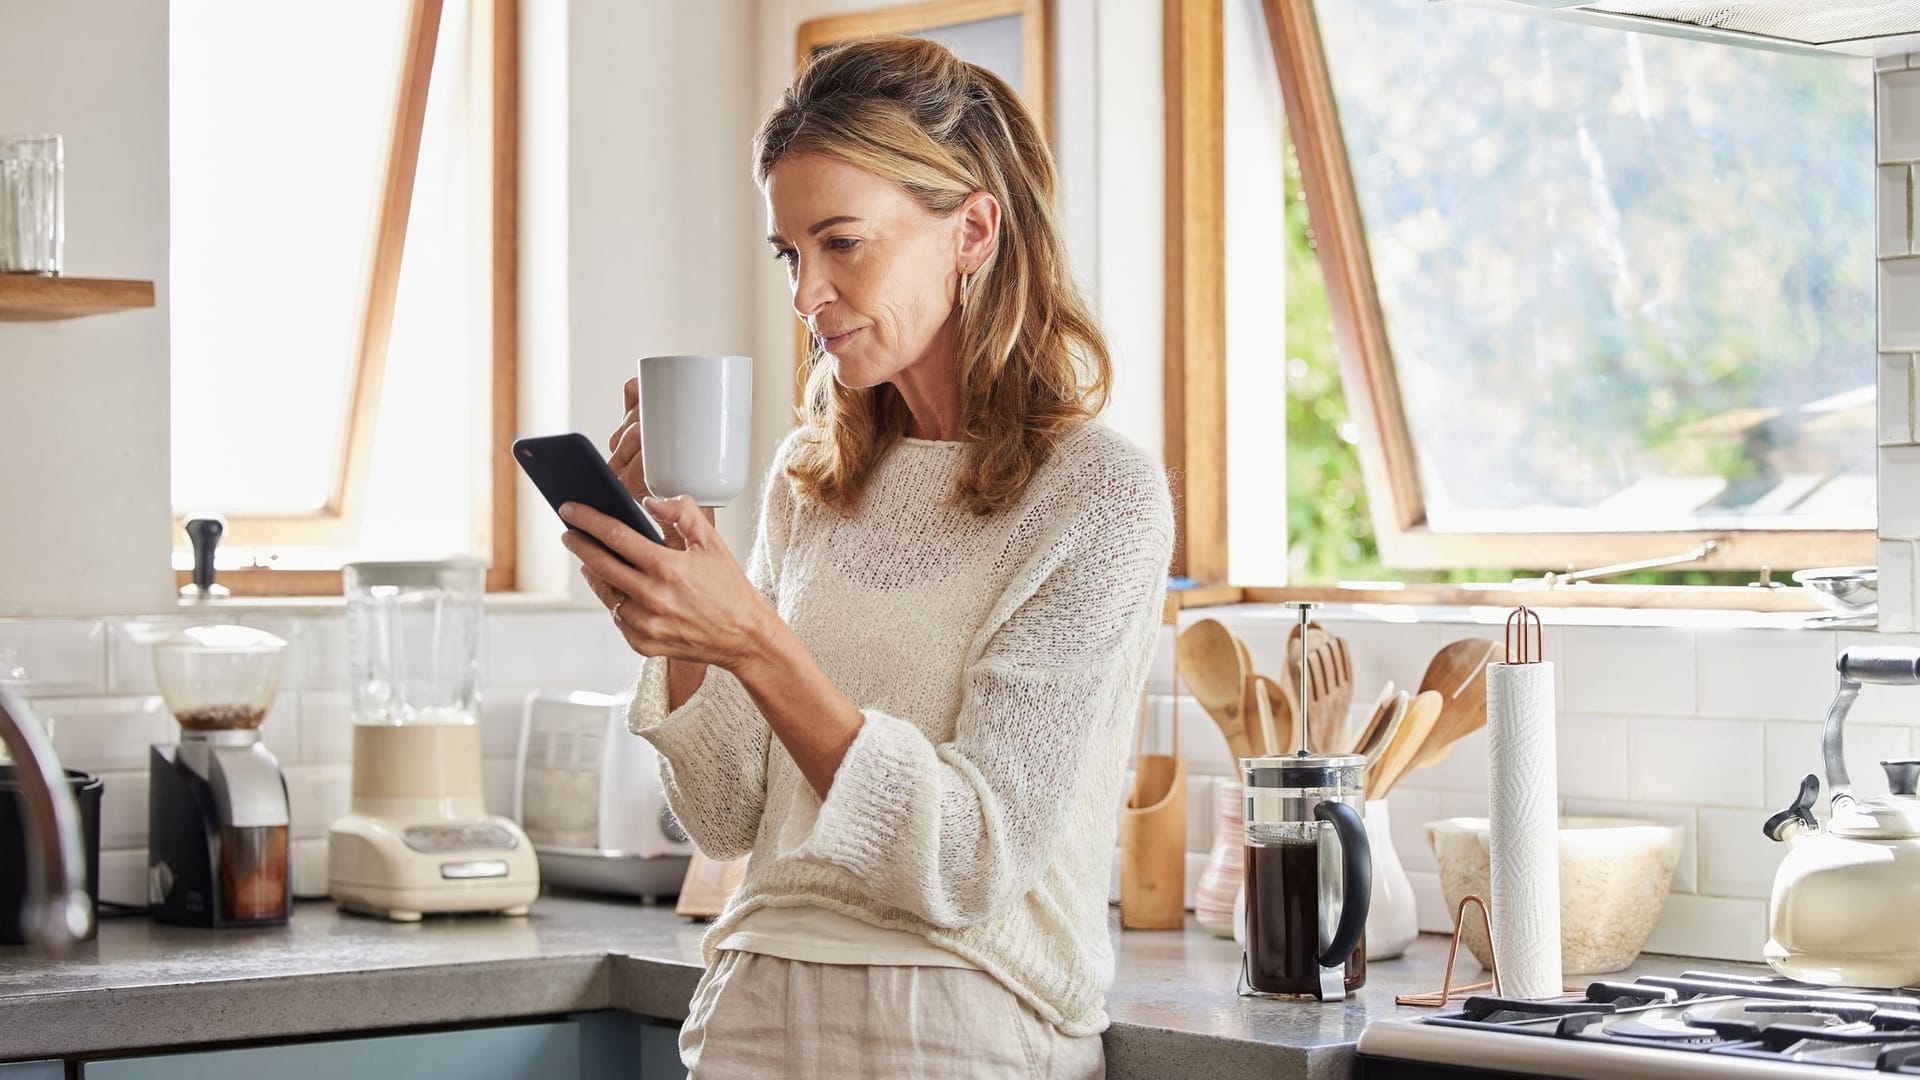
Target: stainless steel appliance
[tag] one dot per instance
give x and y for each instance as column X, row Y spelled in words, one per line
column 1697, row 1024
column 217, row 815
column 588, row 794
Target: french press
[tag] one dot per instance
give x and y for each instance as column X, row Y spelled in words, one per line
column 1308, row 871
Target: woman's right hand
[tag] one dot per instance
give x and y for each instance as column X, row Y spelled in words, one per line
column 627, row 460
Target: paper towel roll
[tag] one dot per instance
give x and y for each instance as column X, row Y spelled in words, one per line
column 1524, row 829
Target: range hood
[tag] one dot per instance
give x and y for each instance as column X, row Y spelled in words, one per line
column 1828, row 27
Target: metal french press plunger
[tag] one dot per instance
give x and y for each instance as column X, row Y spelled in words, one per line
column 1308, row 867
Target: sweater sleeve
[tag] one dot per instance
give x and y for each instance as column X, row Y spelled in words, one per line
column 713, row 748
column 951, row 831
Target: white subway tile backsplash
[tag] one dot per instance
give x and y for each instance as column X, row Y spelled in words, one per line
column 1593, row 756
column 123, row 876
column 1900, row 492
column 1895, row 399
column 326, row 727
column 1430, row 908
column 1900, row 303
column 308, row 859
column 1686, row 872
column 319, row 660
column 1897, row 705
column 1892, row 212
column 1765, row 674
column 1471, row 804
column 1669, row 753
column 1464, row 769
column 55, row 656
column 1736, row 858
column 1200, row 740
column 1713, row 927
column 123, row 810
column 1160, row 671
column 106, row 734
column 280, row 731
column 1899, row 586
column 1793, row 751
column 1409, row 810
column 1897, row 115
column 565, row 650
column 501, row 711
column 1628, row 671
column 130, row 650
column 317, row 795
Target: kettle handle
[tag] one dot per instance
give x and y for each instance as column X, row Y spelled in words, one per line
column 1356, row 859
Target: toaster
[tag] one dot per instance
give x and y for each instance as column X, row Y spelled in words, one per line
column 587, row 792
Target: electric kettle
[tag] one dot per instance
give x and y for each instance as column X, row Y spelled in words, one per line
column 1845, row 909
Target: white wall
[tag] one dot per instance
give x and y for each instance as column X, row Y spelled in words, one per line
column 643, row 243
column 84, row 454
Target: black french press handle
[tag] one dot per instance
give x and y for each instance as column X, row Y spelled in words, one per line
column 1356, row 859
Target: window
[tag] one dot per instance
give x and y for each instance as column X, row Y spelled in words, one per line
column 1599, row 296
column 342, row 283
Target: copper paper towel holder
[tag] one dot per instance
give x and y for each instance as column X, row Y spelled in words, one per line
column 1447, row 990
column 1526, row 637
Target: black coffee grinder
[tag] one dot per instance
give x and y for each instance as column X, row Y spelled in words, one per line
column 217, row 818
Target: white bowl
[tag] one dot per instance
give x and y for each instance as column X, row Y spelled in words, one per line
column 1614, row 876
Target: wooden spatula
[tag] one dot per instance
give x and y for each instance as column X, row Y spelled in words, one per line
column 1382, row 707
column 1210, row 659
column 1329, row 687
column 1414, row 731
column 1458, row 674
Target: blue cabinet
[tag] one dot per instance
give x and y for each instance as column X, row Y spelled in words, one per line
column 519, row 1052
column 33, row 1070
column 586, row 1046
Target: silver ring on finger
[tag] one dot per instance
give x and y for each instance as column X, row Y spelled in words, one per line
column 616, row 608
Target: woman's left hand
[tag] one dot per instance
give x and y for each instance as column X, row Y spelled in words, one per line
column 695, row 605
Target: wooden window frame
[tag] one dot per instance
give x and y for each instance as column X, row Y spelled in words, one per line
column 1035, row 38
column 338, row 522
column 1366, row 362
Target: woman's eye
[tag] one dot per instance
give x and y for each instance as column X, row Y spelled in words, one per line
column 842, row 243
column 784, row 255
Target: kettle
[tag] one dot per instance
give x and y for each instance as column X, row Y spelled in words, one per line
column 1845, row 909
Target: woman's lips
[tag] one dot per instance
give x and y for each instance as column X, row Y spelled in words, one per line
column 830, row 342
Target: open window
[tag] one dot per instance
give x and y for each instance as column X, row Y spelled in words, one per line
column 343, row 282
column 1598, row 297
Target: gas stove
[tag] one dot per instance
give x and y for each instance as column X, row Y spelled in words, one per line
column 1697, row 1024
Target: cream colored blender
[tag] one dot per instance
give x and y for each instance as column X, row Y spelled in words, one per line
column 419, row 839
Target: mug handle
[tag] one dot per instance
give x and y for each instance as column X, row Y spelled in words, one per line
column 1356, row 858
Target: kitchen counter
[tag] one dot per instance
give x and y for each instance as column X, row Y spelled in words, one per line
column 144, row 985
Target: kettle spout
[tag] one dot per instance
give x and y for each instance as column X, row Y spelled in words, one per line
column 1797, row 819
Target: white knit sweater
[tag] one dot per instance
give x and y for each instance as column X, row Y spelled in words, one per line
column 998, row 662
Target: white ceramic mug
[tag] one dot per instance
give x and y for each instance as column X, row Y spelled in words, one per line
column 696, row 415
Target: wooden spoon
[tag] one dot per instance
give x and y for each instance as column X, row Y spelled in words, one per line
column 1210, row 661
column 1382, row 736
column 1414, row 731
column 1329, row 687
column 1382, row 706
column 1458, row 673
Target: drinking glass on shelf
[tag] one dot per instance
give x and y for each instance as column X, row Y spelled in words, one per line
column 32, row 173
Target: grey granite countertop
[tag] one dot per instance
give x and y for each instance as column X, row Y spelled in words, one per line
column 144, row 985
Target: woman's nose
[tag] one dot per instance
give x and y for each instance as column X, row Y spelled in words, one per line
column 811, row 291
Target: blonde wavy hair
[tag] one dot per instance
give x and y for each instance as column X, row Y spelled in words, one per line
column 1032, row 364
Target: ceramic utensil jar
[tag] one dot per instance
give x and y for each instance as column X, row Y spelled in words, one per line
column 1308, row 875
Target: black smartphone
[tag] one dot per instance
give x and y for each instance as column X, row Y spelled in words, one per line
column 568, row 468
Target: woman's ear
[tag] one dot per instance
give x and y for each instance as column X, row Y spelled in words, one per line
column 979, row 231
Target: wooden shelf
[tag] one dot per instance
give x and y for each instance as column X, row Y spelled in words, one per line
column 31, row 298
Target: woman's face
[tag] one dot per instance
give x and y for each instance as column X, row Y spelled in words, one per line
column 874, row 275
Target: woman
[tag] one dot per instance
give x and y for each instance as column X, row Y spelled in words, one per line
column 912, row 710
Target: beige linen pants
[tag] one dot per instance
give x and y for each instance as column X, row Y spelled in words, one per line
column 762, row 1016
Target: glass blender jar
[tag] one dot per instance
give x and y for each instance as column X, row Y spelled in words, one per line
column 217, row 815
column 419, row 839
